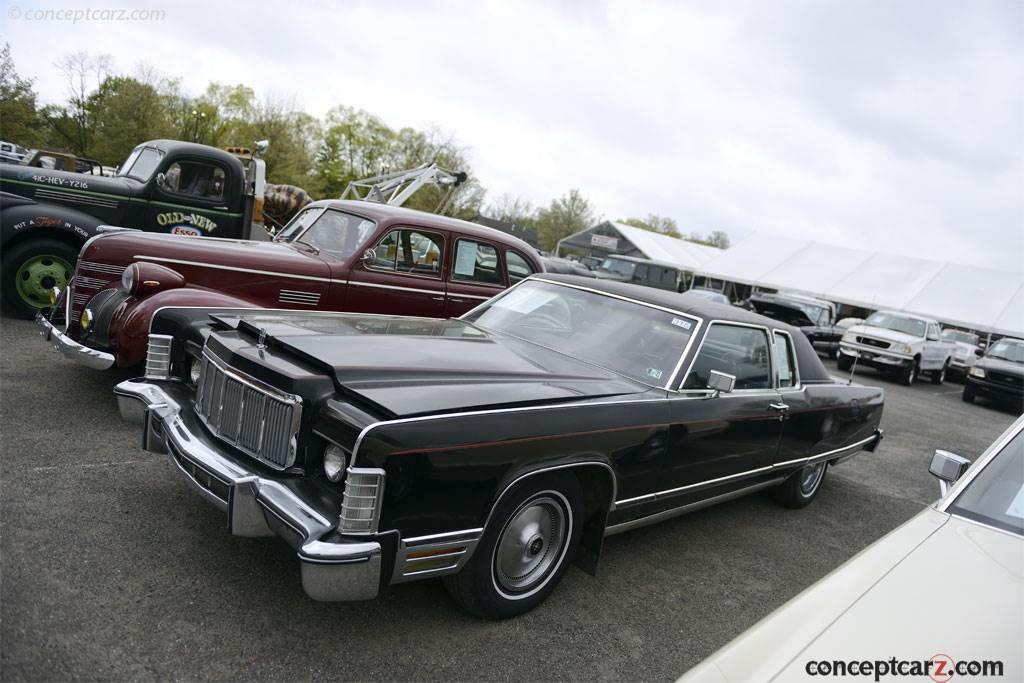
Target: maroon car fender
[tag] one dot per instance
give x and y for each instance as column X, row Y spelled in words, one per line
column 129, row 328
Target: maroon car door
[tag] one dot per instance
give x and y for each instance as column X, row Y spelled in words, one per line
column 400, row 274
column 475, row 274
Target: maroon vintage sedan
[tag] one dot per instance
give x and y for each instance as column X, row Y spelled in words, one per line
column 334, row 256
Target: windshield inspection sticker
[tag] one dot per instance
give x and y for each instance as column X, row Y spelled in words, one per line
column 685, row 324
column 654, row 373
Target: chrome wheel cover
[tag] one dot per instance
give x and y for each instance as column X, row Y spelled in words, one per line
column 810, row 477
column 531, row 545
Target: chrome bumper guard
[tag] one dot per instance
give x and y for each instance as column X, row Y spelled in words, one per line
column 332, row 569
column 81, row 354
column 868, row 354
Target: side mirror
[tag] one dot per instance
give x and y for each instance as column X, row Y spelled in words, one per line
column 161, row 181
column 979, row 353
column 369, row 255
column 948, row 468
column 721, row 382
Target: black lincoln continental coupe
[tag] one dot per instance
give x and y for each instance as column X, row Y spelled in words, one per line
column 494, row 448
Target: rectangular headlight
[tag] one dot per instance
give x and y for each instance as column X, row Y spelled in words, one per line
column 977, row 372
column 361, row 501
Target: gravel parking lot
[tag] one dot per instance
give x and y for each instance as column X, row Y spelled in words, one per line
column 112, row 568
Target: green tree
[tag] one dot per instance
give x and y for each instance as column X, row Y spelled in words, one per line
column 717, row 238
column 568, row 214
column 655, row 223
column 124, row 112
column 20, row 119
column 513, row 210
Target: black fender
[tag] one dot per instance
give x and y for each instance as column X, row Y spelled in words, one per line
column 24, row 219
column 598, row 482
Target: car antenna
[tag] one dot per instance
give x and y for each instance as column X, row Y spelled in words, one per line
column 853, row 368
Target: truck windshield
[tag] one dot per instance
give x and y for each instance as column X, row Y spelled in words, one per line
column 1012, row 351
column 626, row 337
column 897, row 323
column 614, row 265
column 958, row 336
column 335, row 232
column 141, row 163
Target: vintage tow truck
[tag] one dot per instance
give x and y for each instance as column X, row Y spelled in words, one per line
column 163, row 186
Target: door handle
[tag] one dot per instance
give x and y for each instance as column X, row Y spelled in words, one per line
column 457, row 301
column 782, row 407
column 221, row 208
column 437, row 298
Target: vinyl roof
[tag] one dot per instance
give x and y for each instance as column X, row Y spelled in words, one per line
column 980, row 298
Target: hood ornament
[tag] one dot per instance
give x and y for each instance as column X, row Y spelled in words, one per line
column 261, row 343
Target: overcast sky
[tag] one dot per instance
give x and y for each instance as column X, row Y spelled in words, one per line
column 896, row 126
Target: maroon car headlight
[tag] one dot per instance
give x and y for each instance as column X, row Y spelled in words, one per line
column 143, row 279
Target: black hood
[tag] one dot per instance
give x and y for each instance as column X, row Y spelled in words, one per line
column 414, row 366
column 999, row 365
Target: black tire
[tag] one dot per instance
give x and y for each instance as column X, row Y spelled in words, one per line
column 909, row 374
column 844, row 362
column 483, row 587
column 968, row 395
column 56, row 261
column 801, row 487
column 939, row 376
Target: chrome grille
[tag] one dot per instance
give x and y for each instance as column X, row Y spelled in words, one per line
column 877, row 343
column 251, row 416
column 158, row 356
column 84, row 287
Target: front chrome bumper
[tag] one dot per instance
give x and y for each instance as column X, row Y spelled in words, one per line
column 333, row 569
column 871, row 355
column 81, row 354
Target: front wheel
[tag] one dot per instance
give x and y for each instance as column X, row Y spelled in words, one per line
column 909, row 374
column 968, row 395
column 532, row 535
column 939, row 376
column 801, row 487
column 31, row 269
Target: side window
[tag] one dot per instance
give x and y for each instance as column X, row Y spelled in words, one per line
column 203, row 181
column 409, row 251
column 735, row 350
column 476, row 262
column 642, row 274
column 784, row 360
column 517, row 266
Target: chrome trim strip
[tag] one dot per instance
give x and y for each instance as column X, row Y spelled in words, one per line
column 659, row 495
column 357, row 283
column 691, row 507
column 236, row 269
column 415, row 540
column 798, row 387
column 848, row 346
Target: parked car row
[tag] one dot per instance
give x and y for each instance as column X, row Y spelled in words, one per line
column 464, row 415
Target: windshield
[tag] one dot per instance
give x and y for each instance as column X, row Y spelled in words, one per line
column 996, row 496
column 817, row 314
column 717, row 297
column 334, row 232
column 1003, row 349
column 958, row 336
column 614, row 265
column 141, row 163
column 629, row 338
column 898, row 323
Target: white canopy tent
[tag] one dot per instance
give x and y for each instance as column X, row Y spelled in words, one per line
column 983, row 299
column 658, row 247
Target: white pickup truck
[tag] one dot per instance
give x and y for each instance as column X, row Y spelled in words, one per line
column 901, row 343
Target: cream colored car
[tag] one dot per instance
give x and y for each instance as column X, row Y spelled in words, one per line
column 942, row 596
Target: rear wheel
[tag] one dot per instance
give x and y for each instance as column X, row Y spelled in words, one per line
column 31, row 269
column 532, row 536
column 939, row 376
column 802, row 486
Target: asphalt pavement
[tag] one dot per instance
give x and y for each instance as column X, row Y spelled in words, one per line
column 111, row 568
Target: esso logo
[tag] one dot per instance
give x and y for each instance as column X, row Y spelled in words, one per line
column 942, row 667
column 185, row 231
